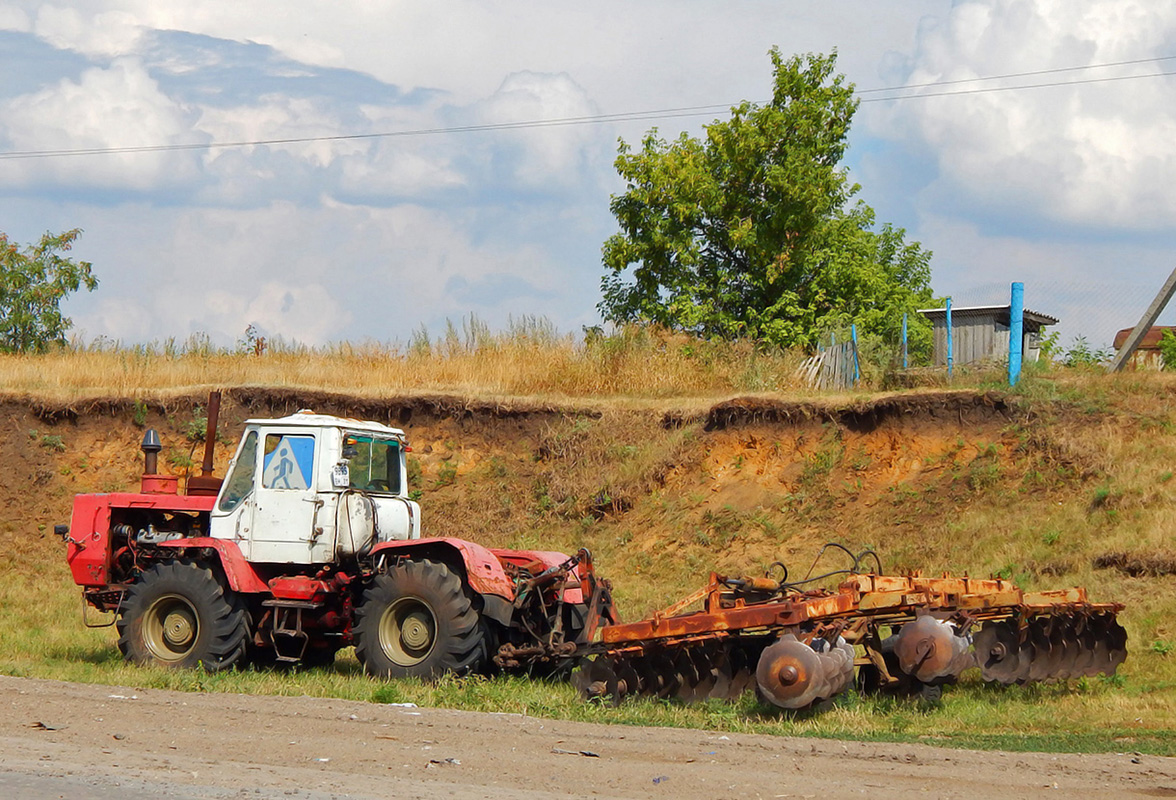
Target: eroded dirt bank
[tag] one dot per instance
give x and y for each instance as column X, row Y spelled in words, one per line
column 744, row 482
column 100, row 742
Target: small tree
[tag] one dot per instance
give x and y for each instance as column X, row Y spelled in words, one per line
column 33, row 282
column 753, row 232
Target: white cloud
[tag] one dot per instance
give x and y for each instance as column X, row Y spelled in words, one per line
column 305, row 313
column 545, row 156
column 13, row 18
column 118, row 106
column 279, row 117
column 1096, row 154
column 105, row 33
column 311, row 274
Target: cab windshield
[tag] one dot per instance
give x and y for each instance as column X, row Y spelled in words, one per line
column 373, row 464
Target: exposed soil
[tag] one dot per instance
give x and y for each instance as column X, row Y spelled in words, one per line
column 487, row 469
column 102, row 742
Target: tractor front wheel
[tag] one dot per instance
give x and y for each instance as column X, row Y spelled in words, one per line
column 177, row 614
column 417, row 620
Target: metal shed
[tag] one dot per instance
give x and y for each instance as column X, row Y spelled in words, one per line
column 981, row 333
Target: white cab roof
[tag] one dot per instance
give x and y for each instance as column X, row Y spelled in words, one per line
column 309, row 419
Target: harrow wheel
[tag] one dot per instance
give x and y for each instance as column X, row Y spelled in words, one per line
column 417, row 620
column 179, row 615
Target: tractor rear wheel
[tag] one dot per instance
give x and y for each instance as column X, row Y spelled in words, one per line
column 417, row 620
column 177, row 614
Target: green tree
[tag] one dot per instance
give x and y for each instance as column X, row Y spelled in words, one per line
column 752, row 232
column 33, row 282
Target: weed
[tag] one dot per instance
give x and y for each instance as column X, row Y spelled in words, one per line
column 180, row 459
column 53, row 443
column 413, row 467
column 139, row 414
column 1050, row 538
column 1161, row 647
column 446, row 474
column 195, row 429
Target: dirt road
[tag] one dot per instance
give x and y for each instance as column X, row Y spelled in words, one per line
column 89, row 742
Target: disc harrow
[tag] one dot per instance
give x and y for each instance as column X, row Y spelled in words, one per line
column 797, row 647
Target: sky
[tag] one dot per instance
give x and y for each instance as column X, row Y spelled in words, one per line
column 1065, row 188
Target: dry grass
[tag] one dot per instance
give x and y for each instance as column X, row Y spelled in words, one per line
column 529, row 359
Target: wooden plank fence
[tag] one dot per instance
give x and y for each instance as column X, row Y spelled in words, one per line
column 831, row 368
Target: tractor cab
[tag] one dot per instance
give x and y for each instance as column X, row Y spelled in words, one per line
column 312, row 489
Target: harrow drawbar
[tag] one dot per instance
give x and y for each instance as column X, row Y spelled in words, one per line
column 798, row 647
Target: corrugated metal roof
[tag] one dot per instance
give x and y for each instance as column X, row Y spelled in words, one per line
column 977, row 311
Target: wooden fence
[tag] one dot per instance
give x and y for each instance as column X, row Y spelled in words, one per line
column 834, row 368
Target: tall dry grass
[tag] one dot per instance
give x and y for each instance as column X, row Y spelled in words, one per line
column 530, row 358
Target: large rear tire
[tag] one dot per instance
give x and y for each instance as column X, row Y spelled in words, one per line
column 417, row 620
column 177, row 614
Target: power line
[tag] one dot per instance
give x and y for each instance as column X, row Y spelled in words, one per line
column 987, row 89
column 1030, row 74
column 631, row 116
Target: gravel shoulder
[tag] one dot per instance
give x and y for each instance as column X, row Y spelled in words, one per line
column 93, row 742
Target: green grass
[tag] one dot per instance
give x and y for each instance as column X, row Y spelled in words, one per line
column 1053, row 718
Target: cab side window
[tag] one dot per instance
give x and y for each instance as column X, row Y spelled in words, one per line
column 240, row 481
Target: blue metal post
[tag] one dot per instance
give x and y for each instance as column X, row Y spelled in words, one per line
column 857, row 373
column 904, row 341
column 949, row 359
column 1016, row 331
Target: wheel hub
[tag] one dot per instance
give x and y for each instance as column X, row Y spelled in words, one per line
column 178, row 630
column 414, row 632
column 408, row 631
column 171, row 629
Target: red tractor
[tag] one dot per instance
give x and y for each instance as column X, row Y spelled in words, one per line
column 311, row 543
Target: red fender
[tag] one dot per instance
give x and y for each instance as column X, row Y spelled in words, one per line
column 483, row 570
column 238, row 571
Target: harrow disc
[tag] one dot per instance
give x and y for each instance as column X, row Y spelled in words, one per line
column 1040, row 650
column 628, row 681
column 1087, row 639
column 596, row 678
column 792, row 674
column 929, row 649
column 998, row 652
column 734, row 673
column 705, row 661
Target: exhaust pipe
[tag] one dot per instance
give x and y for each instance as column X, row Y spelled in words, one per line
column 206, row 484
